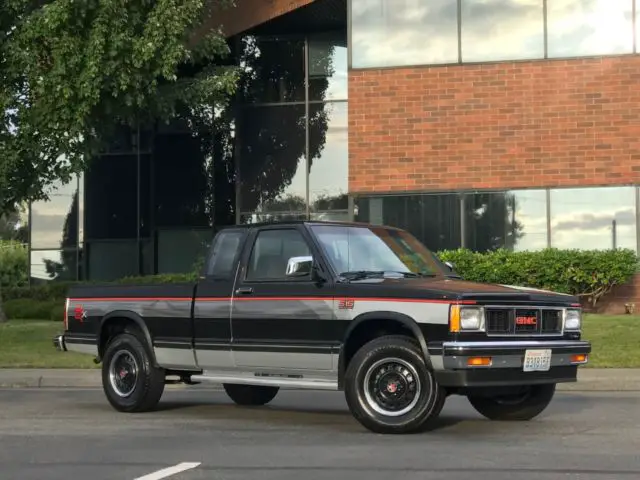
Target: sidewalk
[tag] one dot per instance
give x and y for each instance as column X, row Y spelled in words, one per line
column 589, row 379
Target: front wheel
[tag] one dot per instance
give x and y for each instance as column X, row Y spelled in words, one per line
column 524, row 405
column 130, row 381
column 389, row 388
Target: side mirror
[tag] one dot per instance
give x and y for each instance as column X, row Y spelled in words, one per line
column 451, row 265
column 299, row 266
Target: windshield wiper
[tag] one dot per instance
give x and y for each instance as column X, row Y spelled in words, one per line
column 362, row 274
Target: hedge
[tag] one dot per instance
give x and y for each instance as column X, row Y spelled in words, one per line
column 14, row 264
column 589, row 274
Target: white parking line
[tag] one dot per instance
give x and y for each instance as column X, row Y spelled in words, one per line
column 167, row 472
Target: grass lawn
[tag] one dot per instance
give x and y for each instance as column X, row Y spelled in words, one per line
column 27, row 344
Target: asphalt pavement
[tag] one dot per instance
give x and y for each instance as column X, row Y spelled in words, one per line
column 58, row 433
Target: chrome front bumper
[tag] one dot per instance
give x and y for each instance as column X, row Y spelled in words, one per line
column 494, row 363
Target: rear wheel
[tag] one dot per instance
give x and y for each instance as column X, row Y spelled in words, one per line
column 250, row 394
column 130, row 381
column 523, row 405
column 389, row 388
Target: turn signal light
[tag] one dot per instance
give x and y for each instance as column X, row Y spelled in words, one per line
column 454, row 318
column 479, row 361
column 579, row 358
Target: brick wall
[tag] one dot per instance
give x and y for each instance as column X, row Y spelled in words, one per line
column 521, row 124
column 614, row 302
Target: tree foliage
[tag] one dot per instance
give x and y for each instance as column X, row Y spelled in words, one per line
column 71, row 71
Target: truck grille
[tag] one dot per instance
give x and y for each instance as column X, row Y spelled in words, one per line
column 523, row 321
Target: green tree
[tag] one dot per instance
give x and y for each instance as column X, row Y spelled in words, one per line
column 72, row 71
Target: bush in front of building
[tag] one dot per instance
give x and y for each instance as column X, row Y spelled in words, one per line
column 14, row 264
column 588, row 274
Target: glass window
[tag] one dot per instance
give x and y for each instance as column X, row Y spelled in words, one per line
column 328, row 67
column 182, row 187
column 111, row 197
column 272, row 160
column 403, row 32
column 494, row 30
column 180, row 249
column 273, row 70
column 225, row 249
column 272, row 251
column 56, row 265
column 593, row 218
column 54, row 223
column 515, row 220
column 111, row 259
column 329, row 169
column 589, row 27
column 434, row 219
column 374, row 249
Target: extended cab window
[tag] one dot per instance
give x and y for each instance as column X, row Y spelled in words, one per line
column 272, row 251
column 224, row 251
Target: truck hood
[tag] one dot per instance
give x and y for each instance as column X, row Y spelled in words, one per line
column 454, row 288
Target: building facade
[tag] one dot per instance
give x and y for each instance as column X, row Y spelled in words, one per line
column 472, row 123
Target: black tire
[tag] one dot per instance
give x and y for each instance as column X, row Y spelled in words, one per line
column 360, row 391
column 250, row 394
column 143, row 390
column 523, row 406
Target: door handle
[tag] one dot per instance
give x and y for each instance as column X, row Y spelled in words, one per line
column 244, row 291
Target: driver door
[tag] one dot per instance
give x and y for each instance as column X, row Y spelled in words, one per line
column 281, row 322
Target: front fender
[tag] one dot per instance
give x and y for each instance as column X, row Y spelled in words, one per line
column 400, row 318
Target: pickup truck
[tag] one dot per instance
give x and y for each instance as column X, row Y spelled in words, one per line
column 363, row 309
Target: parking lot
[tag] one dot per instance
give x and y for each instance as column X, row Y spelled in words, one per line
column 60, row 433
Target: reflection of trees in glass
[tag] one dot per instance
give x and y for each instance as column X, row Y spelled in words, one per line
column 491, row 221
column 13, row 228
column 66, row 268
column 273, row 138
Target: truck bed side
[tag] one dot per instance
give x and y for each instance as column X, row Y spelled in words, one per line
column 162, row 312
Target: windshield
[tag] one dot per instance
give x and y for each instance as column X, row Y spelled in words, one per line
column 374, row 249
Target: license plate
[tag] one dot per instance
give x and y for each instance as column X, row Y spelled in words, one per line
column 537, row 361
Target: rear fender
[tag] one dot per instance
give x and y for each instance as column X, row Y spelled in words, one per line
column 134, row 318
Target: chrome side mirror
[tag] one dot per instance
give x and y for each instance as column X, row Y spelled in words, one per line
column 299, row 266
column 451, row 265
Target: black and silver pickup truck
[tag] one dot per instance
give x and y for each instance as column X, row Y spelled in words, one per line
column 363, row 309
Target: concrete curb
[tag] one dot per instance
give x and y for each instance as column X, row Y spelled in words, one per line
column 589, row 379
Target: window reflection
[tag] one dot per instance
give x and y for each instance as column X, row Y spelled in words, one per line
column 329, row 170
column 502, row 30
column 274, row 70
column 589, row 27
column 54, row 265
column 408, row 32
column 272, row 168
column 514, row 220
column 434, row 219
column 328, row 67
column 590, row 218
column 54, row 223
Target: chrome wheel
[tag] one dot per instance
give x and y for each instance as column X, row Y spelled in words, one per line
column 123, row 373
column 392, row 387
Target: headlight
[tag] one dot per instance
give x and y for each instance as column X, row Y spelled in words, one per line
column 466, row 319
column 572, row 319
